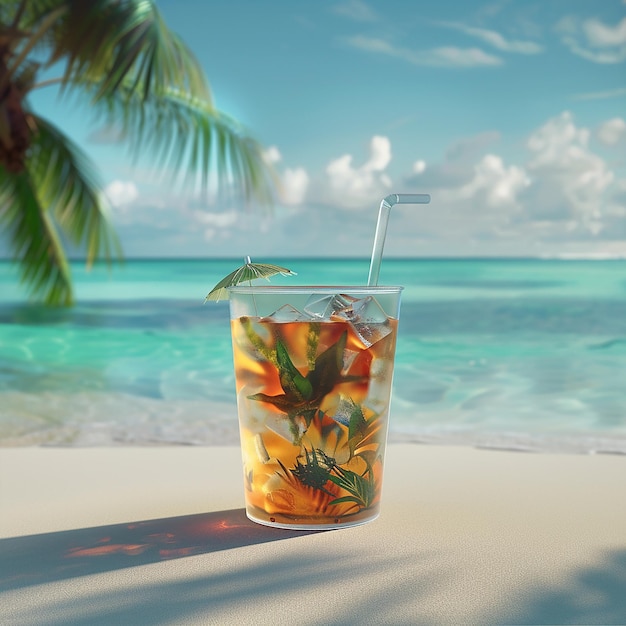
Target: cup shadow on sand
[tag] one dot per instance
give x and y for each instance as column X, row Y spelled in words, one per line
column 36, row 559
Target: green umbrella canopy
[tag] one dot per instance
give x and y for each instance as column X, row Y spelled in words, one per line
column 247, row 272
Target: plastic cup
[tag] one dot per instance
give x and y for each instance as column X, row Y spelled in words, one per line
column 313, row 371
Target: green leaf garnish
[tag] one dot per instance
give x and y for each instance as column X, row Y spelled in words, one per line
column 315, row 472
column 312, row 340
column 357, row 429
column 304, row 394
column 291, row 380
column 362, row 490
column 256, row 340
column 358, row 424
column 347, row 499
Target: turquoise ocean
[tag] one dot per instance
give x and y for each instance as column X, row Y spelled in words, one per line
column 515, row 354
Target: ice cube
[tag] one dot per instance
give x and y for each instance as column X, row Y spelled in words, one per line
column 368, row 320
column 261, row 450
column 286, row 313
column 290, row 429
column 349, row 356
column 323, row 307
column 368, row 310
column 344, row 410
column 252, row 414
column 370, row 334
column 379, row 389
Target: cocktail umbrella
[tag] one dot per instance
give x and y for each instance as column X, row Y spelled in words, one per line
column 247, row 272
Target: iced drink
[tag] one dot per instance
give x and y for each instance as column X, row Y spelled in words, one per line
column 313, row 368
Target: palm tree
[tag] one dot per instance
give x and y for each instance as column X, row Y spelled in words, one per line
column 136, row 75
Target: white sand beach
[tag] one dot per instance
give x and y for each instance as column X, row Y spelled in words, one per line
column 159, row 536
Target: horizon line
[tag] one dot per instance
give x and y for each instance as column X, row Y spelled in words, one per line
column 543, row 257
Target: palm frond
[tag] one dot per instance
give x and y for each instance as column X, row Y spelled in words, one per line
column 11, row 11
column 138, row 74
column 67, row 184
column 109, row 42
column 34, row 238
column 198, row 145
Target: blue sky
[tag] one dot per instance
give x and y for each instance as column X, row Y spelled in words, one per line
column 510, row 113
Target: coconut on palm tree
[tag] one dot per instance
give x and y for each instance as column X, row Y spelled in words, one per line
column 136, row 75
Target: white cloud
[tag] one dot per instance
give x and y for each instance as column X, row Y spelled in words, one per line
column 558, row 143
column 495, row 39
column 560, row 197
column 354, row 187
column 601, row 95
column 435, row 57
column 570, row 180
column 594, row 40
column 601, row 35
column 457, row 168
column 493, row 183
column 563, row 197
column 419, row 167
column 214, row 223
column 467, row 148
column 272, row 155
column 380, row 154
column 371, row 44
column 218, row 220
column 295, row 183
column 121, row 193
column 457, row 57
column 355, row 10
column 612, row 131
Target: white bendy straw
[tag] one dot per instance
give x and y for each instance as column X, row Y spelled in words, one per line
column 381, row 227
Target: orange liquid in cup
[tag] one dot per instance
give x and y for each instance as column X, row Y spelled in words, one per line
column 313, row 401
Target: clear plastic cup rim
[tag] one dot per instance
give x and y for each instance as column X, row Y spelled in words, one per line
column 379, row 289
